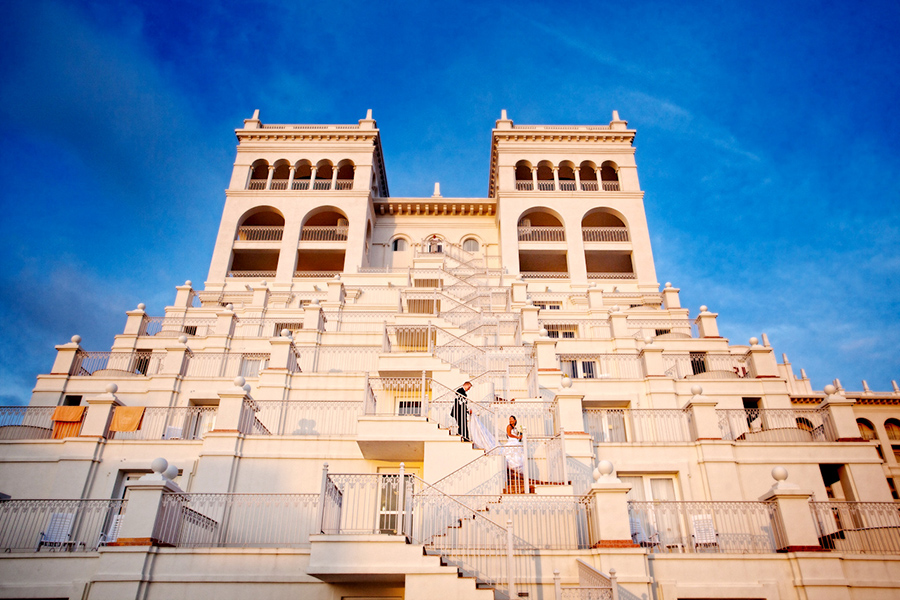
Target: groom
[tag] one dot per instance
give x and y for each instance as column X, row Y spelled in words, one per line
column 461, row 412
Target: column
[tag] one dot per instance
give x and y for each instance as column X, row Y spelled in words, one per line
column 577, row 179
column 556, row 178
column 610, row 527
column 290, row 184
column 312, row 177
column 334, row 172
column 269, row 179
column 534, row 179
column 706, row 324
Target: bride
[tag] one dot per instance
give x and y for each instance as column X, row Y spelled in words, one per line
column 513, row 450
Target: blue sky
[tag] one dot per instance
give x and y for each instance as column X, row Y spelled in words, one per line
column 767, row 146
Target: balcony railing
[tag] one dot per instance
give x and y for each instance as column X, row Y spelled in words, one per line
column 278, row 184
column 176, row 326
column 776, row 425
column 322, row 184
column 706, row 366
column 567, row 185
column 858, row 527
column 542, row 234
column 623, row 425
column 324, row 233
column 300, row 184
column 602, row 366
column 604, row 234
column 610, row 186
column 260, row 233
column 251, row 274
column 226, row 364
column 236, row 520
column 524, row 186
column 257, row 184
column 172, row 423
column 611, row 275
column 343, row 184
column 317, row 274
column 59, row 525
column 117, row 363
column 545, row 274
column 546, row 186
column 310, row 417
column 715, row 527
column 26, row 422
column 588, row 186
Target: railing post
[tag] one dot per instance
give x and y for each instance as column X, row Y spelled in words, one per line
column 430, row 343
column 320, row 510
column 614, row 583
column 557, row 590
column 423, row 404
column 562, row 455
column 510, row 559
column 401, row 490
column 525, row 460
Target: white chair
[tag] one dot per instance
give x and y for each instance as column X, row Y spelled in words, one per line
column 58, row 533
column 172, row 433
column 113, row 533
column 640, row 535
column 705, row 535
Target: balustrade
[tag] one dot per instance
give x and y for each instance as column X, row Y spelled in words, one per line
column 226, row 364
column 172, row 423
column 26, row 422
column 779, row 425
column 610, row 186
column 545, row 274
column 260, row 233
column 131, row 363
column 610, row 275
column 300, row 184
column 237, row 520
column 69, row 525
column 716, row 527
column 525, row 186
column 604, row 234
column 542, row 234
column 626, row 425
column 251, row 274
column 324, row 233
column 858, row 527
column 257, row 184
column 602, row 366
column 706, row 366
column 176, row 327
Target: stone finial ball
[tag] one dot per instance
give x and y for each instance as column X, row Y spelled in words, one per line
column 779, row 473
column 704, row 308
column 605, row 467
column 337, row 277
column 187, row 282
column 668, row 284
column 519, row 277
column 76, row 339
column 566, row 381
column 315, row 302
column 239, row 381
column 285, row 333
column 246, row 387
column 829, row 389
column 696, row 390
column 142, row 306
column 229, row 306
column 648, row 340
column 159, row 465
column 182, row 339
column 754, row 341
column 171, row 472
column 544, row 332
column 112, row 388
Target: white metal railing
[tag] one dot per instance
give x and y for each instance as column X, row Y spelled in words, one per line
column 604, row 234
column 260, row 233
column 176, row 326
column 486, row 475
column 602, row 366
column 248, row 423
column 267, row 326
column 610, row 186
column 324, row 233
column 706, row 366
column 58, row 525
column 547, row 463
column 718, row 527
column 251, row 274
column 538, row 418
column 524, row 186
column 226, row 364
column 545, row 274
column 407, row 396
column 776, row 425
column 588, row 186
column 236, row 520
column 310, row 417
column 669, row 328
column 542, row 234
column 137, row 362
column 858, row 527
column 545, row 522
column 345, row 359
column 26, row 422
column 172, row 423
column 611, row 425
column 610, row 275
column 317, row 274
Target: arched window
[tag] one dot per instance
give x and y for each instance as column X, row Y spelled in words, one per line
column 280, row 175
column 471, row 245
column 609, row 174
column 398, row 245
column 588, row 175
column 866, row 430
column 566, row 177
column 524, row 177
column 344, row 176
column 546, row 182
column 259, row 175
column 892, row 428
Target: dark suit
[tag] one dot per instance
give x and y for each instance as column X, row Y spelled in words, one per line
column 460, row 412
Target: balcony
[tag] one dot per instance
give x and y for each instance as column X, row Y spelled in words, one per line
column 59, row 525
column 170, row 423
column 641, row 425
column 26, row 422
column 251, row 274
column 542, row 234
column 610, row 186
column 775, row 425
column 545, row 274
column 324, row 233
column 117, row 363
column 611, row 275
column 175, row 327
column 604, row 234
column 259, row 233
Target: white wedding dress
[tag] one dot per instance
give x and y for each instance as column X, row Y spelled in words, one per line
column 514, row 452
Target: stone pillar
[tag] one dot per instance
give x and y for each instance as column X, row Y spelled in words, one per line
column 100, row 412
column 231, row 407
column 577, row 179
column 138, row 522
column 595, row 297
column 706, row 324
column 704, row 421
column 335, row 291
column 841, row 419
column 65, row 356
column 287, row 253
column 556, row 178
column 545, row 351
column 224, row 321
column 762, row 360
column 651, row 356
column 618, row 323
column 184, row 296
column 530, row 324
column 570, row 412
column 312, row 316
column 269, row 178
column 670, row 297
column 134, row 324
column 260, row 295
column 609, row 508
column 519, row 291
column 795, row 530
column 534, row 179
column 280, row 353
column 290, row 183
column 175, row 361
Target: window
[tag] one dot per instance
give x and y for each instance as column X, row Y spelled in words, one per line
column 893, row 488
column 892, row 428
column 72, row 401
column 560, row 330
column 866, row 430
column 293, row 327
column 548, row 305
column 588, row 369
column 251, row 364
column 398, row 245
column 698, row 362
column 470, row 245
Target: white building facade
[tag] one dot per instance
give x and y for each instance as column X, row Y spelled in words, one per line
column 288, row 430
